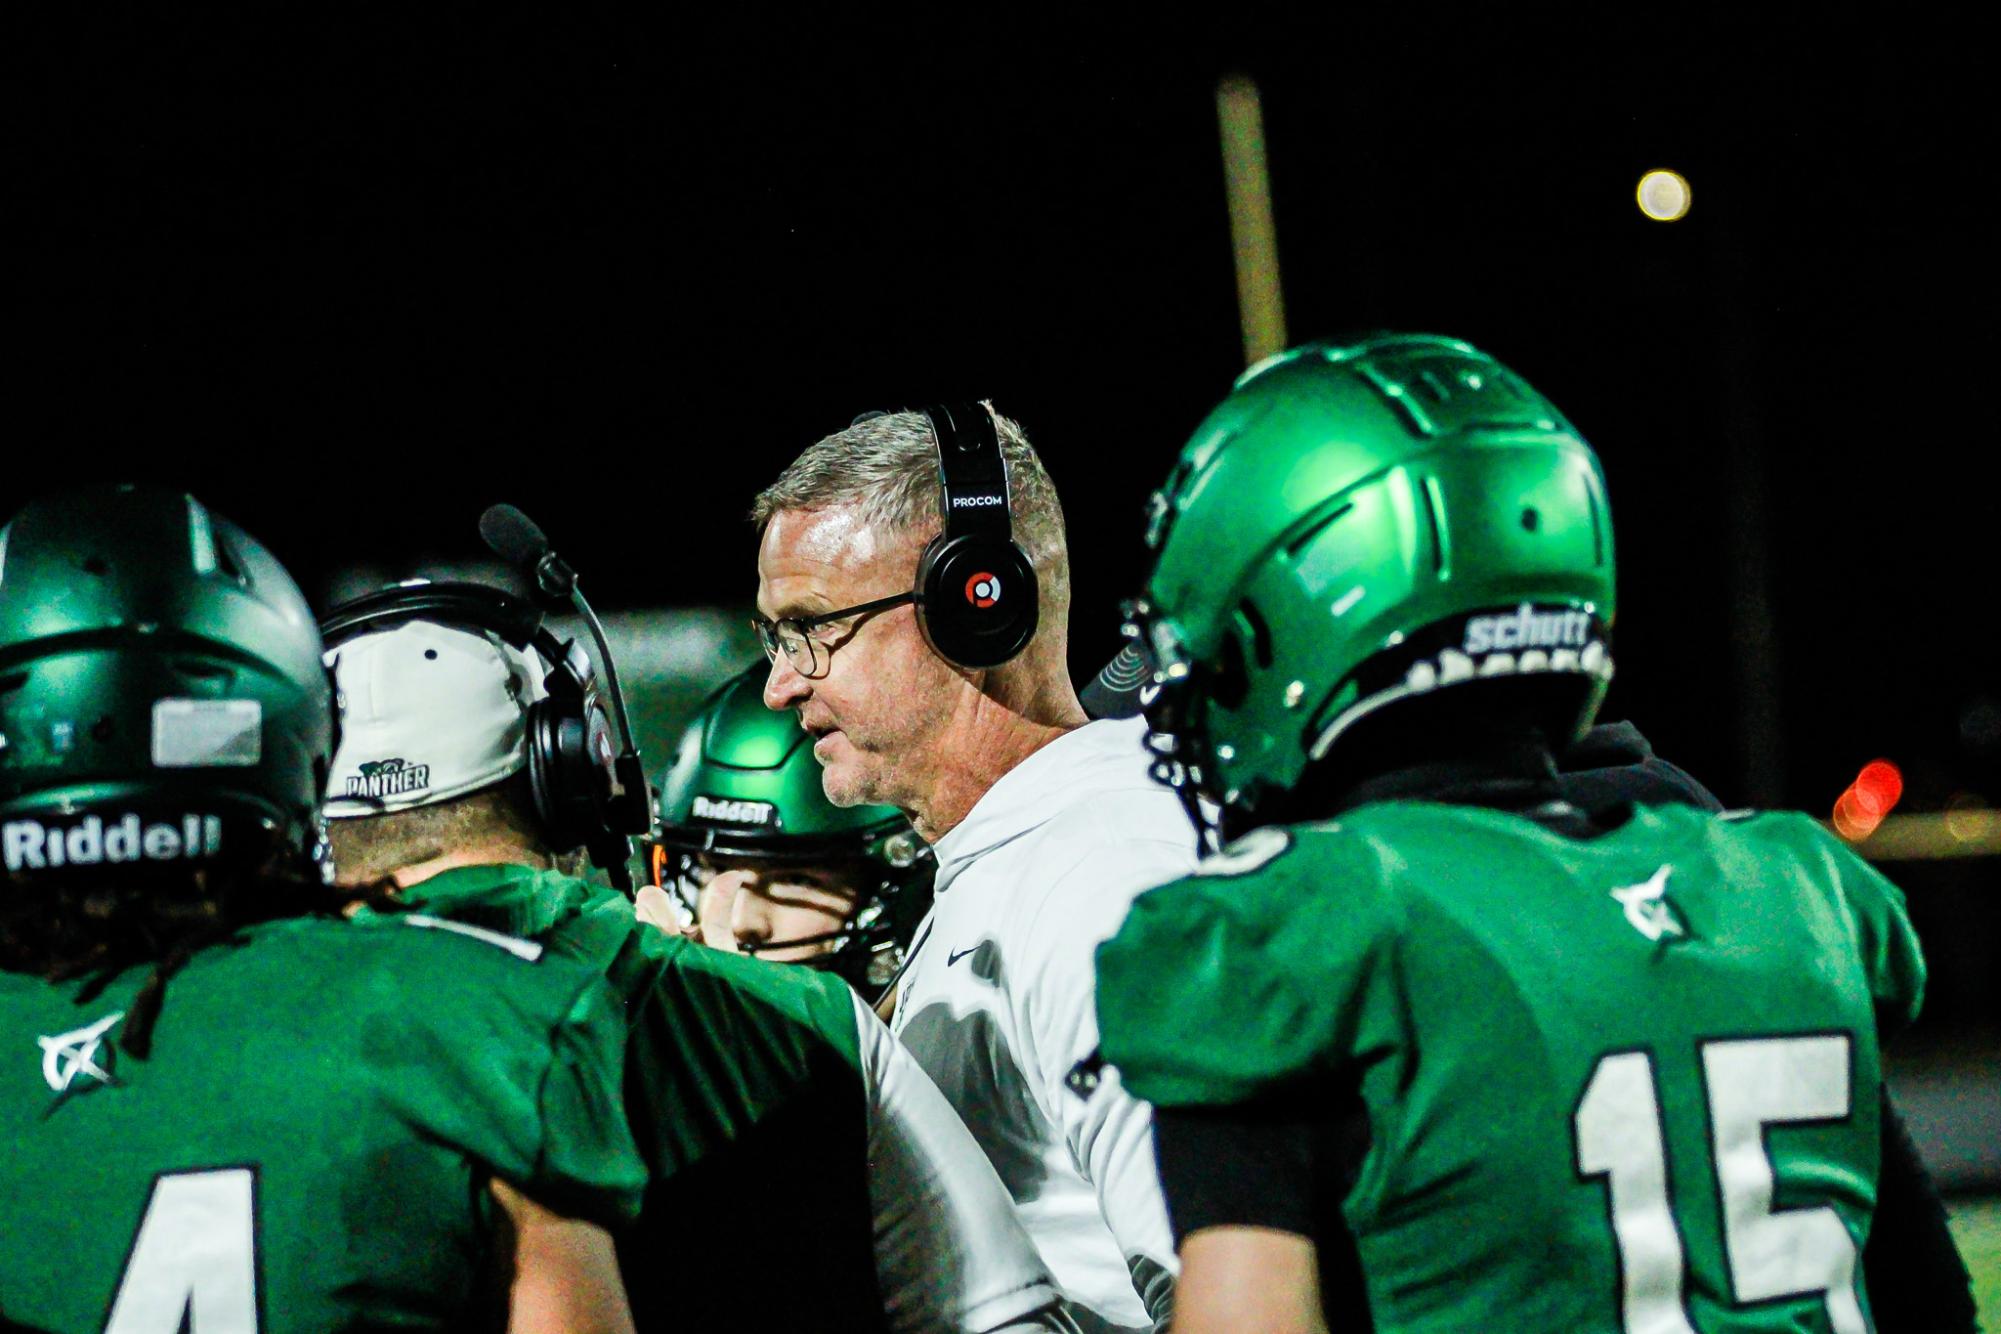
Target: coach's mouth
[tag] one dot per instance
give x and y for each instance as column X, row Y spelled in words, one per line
column 822, row 732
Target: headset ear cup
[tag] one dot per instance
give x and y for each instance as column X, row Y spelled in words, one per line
column 545, row 775
column 570, row 773
column 980, row 600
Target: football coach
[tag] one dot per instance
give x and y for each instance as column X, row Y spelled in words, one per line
column 913, row 594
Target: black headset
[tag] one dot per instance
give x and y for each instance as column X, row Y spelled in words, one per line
column 976, row 589
column 571, row 753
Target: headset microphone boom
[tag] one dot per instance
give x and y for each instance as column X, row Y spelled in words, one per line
column 519, row 541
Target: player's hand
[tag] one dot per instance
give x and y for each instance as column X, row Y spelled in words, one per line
column 657, row 908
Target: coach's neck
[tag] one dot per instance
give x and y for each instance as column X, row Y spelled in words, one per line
column 1013, row 711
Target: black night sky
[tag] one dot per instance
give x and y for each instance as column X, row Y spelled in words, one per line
column 351, row 278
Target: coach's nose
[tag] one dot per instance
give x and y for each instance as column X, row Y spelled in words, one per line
column 784, row 687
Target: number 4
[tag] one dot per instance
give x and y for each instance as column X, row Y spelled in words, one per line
column 194, row 1261
column 1751, row 1084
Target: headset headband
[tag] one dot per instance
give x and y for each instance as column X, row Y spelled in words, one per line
column 972, row 474
column 518, row 622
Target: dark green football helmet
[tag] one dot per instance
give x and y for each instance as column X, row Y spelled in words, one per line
column 744, row 786
column 161, row 691
column 1357, row 525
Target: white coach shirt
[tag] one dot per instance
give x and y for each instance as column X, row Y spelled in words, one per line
column 997, row 1004
column 950, row 1252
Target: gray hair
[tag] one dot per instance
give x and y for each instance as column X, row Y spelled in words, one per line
column 888, row 466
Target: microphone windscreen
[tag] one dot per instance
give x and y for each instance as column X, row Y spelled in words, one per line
column 513, row 536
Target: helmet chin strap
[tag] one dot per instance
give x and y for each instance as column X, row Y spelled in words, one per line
column 1208, row 831
column 755, row 948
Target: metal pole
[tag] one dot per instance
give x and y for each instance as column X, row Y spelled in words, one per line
column 1253, row 237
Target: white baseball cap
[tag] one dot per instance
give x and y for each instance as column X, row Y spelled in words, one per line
column 428, row 712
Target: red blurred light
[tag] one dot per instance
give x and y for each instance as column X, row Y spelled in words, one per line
column 1853, row 819
column 1878, row 787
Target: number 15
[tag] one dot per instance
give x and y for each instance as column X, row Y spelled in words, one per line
column 1751, row 1084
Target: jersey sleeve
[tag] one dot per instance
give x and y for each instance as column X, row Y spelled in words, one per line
column 1237, row 1167
column 1110, row 1133
column 1890, row 953
column 587, row 1159
column 519, row 1064
column 1266, row 967
column 951, row 1253
column 722, row 1042
column 1884, row 938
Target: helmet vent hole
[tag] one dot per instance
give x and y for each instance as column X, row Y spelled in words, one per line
column 1441, row 551
column 226, row 561
column 96, row 565
column 1260, row 632
column 1531, row 520
column 431, row 655
column 1306, row 539
column 1233, row 678
column 1597, row 524
column 200, row 673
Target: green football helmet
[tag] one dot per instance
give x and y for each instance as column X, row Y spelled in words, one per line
column 161, row 691
column 1360, row 524
column 744, row 786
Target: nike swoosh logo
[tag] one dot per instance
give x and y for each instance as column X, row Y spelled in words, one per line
column 954, row 957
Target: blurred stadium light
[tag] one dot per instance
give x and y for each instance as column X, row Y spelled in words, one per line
column 668, row 660
column 1862, row 807
column 1664, row 195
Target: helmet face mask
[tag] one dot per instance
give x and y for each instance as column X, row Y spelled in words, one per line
column 744, row 790
column 1171, row 703
column 1359, row 525
column 866, row 941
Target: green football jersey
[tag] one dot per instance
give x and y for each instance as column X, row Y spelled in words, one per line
column 720, row 1041
column 745, row 1091
column 1628, row 1083
column 307, row 1145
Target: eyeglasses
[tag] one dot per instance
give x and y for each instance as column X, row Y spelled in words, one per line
column 808, row 653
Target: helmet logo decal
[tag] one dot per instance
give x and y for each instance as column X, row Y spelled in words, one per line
column 1525, row 627
column 95, row 840
column 983, row 589
column 388, row 778
column 725, row 811
column 1530, row 640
